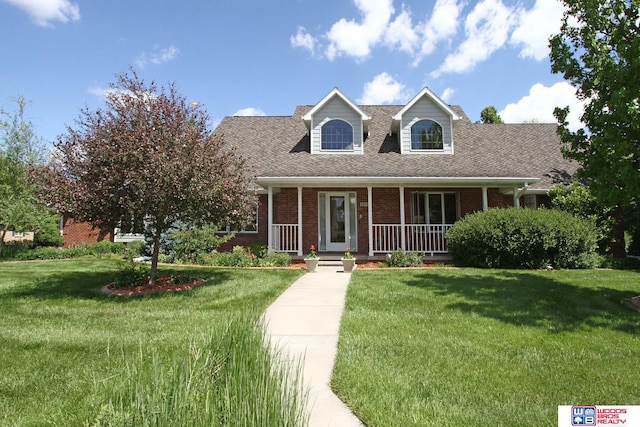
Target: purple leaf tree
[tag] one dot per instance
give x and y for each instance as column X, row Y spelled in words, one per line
column 147, row 160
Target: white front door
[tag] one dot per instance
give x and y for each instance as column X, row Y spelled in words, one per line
column 337, row 222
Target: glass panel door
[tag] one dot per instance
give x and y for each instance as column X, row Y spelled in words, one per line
column 337, row 222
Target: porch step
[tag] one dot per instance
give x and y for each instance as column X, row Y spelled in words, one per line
column 329, row 262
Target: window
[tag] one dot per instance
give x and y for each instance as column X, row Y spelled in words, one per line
column 252, row 227
column 433, row 208
column 17, row 234
column 337, row 135
column 426, row 135
column 530, row 201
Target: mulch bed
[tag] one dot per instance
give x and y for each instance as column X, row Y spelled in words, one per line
column 163, row 284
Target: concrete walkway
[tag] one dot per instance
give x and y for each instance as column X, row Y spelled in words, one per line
column 304, row 322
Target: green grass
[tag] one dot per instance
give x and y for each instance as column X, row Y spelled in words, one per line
column 465, row 347
column 69, row 351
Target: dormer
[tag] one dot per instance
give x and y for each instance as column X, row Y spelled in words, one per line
column 425, row 125
column 337, row 125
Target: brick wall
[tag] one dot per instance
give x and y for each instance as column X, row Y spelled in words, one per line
column 246, row 239
column 385, row 207
column 78, row 233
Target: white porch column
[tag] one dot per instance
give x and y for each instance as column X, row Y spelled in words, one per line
column 403, row 234
column 270, row 217
column 485, row 199
column 299, row 221
column 370, row 218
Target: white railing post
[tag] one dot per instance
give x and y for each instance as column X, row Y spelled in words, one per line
column 370, row 218
column 299, row 221
column 270, row 241
column 403, row 235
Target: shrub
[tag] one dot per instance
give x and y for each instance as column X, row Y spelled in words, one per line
column 105, row 247
column 49, row 232
column 402, row 259
column 190, row 245
column 274, row 259
column 131, row 273
column 240, row 256
column 10, row 250
column 523, row 238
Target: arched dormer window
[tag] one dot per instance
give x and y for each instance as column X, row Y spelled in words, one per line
column 337, row 135
column 426, row 135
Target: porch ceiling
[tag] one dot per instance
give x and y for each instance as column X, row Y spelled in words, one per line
column 376, row 181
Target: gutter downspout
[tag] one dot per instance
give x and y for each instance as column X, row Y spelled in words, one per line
column 518, row 192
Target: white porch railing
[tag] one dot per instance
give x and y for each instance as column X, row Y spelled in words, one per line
column 420, row 238
column 285, row 237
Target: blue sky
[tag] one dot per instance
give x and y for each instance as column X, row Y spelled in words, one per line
column 267, row 56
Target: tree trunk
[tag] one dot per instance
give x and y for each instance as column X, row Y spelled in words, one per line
column 4, row 233
column 154, row 257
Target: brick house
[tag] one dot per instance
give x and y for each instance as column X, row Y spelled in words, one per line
column 379, row 178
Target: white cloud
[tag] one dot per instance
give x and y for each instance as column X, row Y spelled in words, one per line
column 536, row 26
column 487, row 29
column 43, row 12
column 447, row 94
column 400, row 33
column 157, row 56
column 250, row 111
column 383, row 89
column 356, row 38
column 538, row 106
column 443, row 25
column 304, row 40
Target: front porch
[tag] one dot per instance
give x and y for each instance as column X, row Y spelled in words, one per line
column 373, row 221
column 386, row 238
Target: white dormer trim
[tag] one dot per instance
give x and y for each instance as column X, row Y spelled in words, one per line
column 401, row 123
column 336, row 106
column 426, row 92
column 337, row 92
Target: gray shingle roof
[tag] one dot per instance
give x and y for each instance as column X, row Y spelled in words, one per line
column 278, row 146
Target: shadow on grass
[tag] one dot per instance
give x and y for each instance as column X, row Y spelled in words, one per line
column 528, row 299
column 88, row 285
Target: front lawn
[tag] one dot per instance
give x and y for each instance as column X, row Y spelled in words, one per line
column 466, row 347
column 71, row 355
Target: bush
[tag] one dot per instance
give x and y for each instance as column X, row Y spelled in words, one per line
column 131, row 274
column 402, row 259
column 274, row 259
column 190, row 245
column 238, row 257
column 523, row 238
column 49, row 232
column 24, row 253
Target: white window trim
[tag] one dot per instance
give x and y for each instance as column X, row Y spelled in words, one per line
column 338, row 150
column 426, row 150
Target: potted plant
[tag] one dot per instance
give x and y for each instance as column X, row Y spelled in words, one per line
column 312, row 259
column 348, row 261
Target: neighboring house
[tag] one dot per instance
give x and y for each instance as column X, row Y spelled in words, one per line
column 79, row 233
column 18, row 236
column 380, row 178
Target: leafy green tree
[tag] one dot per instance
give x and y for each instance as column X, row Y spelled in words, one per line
column 148, row 159
column 598, row 51
column 20, row 148
column 490, row 115
column 578, row 200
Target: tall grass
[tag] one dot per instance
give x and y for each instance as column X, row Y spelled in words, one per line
column 228, row 377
